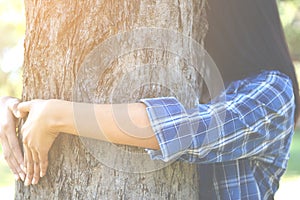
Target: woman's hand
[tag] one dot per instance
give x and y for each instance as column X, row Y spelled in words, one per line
column 39, row 134
column 8, row 136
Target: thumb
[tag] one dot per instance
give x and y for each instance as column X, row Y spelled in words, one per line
column 24, row 108
column 13, row 106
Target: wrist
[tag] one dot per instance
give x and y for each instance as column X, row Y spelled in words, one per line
column 61, row 113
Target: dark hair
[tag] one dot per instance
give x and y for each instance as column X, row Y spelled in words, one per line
column 246, row 37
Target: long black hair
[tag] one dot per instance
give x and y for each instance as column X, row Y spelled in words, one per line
column 246, row 37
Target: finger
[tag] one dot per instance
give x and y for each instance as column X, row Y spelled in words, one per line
column 10, row 139
column 15, row 146
column 24, row 167
column 11, row 161
column 13, row 106
column 24, row 107
column 29, row 166
column 36, row 167
column 10, row 164
column 43, row 157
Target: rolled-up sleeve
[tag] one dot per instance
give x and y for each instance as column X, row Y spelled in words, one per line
column 172, row 127
column 255, row 118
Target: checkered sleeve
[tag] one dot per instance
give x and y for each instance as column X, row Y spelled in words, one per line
column 254, row 118
column 172, row 127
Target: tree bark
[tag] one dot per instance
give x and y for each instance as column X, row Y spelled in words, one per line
column 64, row 39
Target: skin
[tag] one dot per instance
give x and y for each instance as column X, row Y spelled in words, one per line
column 8, row 136
column 44, row 123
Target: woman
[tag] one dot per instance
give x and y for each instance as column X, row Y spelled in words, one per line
column 247, row 157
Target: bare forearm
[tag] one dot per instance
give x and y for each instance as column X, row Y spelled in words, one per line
column 117, row 123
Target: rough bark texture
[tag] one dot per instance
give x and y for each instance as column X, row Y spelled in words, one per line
column 59, row 38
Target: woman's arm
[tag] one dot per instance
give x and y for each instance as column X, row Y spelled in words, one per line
column 117, row 123
column 126, row 124
column 258, row 122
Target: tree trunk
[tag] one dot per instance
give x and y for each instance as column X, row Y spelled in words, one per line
column 72, row 52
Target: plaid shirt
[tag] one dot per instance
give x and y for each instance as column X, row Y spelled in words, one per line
column 241, row 143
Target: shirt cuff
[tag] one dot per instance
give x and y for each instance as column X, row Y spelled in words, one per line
column 171, row 125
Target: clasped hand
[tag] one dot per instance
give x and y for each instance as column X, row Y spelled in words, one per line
column 38, row 135
column 8, row 136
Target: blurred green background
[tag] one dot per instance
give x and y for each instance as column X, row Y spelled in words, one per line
column 12, row 28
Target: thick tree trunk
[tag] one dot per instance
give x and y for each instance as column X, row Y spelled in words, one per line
column 64, row 40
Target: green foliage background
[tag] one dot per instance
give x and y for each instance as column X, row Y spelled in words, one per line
column 290, row 17
column 12, row 29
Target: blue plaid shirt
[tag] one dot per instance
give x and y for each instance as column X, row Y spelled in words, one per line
column 241, row 143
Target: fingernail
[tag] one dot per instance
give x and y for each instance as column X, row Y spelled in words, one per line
column 18, row 114
column 27, row 183
column 22, row 176
column 17, row 177
column 42, row 174
column 34, row 181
